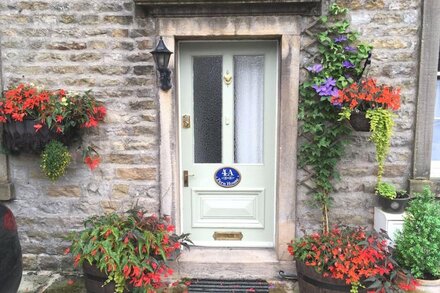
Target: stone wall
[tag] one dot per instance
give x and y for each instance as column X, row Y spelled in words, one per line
column 101, row 45
column 81, row 45
column 393, row 28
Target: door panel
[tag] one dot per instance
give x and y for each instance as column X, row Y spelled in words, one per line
column 229, row 92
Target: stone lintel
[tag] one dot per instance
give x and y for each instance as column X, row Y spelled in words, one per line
column 172, row 8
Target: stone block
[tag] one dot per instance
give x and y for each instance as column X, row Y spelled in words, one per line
column 66, row 190
column 136, row 173
column 120, row 190
column 110, row 7
column 143, row 105
column 48, row 262
column 119, row 33
column 6, row 192
column 143, row 70
column 85, row 57
column 67, row 19
column 139, row 57
column 145, row 45
column 67, row 46
column 417, row 185
column 128, row 46
column 110, row 69
column 30, row 5
column 89, row 19
column 30, row 262
column 116, row 19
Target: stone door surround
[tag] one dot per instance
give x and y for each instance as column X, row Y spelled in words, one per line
column 286, row 29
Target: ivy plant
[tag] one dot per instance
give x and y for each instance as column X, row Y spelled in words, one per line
column 341, row 62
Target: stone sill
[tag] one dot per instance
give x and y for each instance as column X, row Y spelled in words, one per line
column 173, row 8
column 232, row 263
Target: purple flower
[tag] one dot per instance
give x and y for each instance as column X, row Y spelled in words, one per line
column 327, row 88
column 350, row 49
column 347, row 64
column 316, row 68
column 341, row 38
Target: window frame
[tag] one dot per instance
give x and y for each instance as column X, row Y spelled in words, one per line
column 426, row 95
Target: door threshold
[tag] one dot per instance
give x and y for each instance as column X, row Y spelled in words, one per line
column 231, row 263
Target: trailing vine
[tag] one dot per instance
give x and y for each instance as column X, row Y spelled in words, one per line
column 381, row 127
column 341, row 62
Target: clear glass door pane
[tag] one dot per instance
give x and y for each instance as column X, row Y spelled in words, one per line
column 249, row 93
column 207, row 109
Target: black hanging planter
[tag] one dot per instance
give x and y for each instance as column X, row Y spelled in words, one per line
column 359, row 122
column 21, row 137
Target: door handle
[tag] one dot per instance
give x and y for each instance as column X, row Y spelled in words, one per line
column 186, row 178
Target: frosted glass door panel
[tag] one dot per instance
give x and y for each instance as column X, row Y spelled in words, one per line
column 249, row 94
column 207, row 109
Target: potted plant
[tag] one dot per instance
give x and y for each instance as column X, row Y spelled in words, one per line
column 355, row 257
column 376, row 102
column 123, row 251
column 35, row 116
column 418, row 244
column 391, row 200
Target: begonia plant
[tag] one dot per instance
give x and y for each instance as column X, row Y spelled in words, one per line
column 354, row 255
column 131, row 248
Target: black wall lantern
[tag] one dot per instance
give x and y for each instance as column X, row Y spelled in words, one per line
column 161, row 56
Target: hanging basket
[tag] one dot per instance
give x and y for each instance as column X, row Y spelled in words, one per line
column 359, row 122
column 21, row 137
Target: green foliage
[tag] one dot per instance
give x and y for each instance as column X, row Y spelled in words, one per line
column 382, row 122
column 129, row 248
column 54, row 160
column 324, row 145
column 418, row 244
column 386, row 190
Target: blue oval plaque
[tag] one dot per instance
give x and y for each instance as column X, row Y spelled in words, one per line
column 227, row 177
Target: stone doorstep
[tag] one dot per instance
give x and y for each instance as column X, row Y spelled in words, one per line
column 230, row 263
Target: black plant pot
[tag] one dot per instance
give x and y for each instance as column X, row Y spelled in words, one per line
column 393, row 206
column 21, row 137
column 95, row 279
column 359, row 122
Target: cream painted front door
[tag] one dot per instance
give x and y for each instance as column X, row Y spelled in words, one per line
column 228, row 93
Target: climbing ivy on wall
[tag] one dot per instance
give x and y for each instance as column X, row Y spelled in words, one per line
column 340, row 62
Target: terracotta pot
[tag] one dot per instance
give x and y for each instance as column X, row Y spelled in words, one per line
column 310, row 281
column 95, row 279
column 359, row 122
column 393, row 206
column 21, row 137
column 425, row 286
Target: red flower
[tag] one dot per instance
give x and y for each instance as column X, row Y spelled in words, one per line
column 67, row 251
column 59, row 118
column 92, row 162
column 37, row 127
